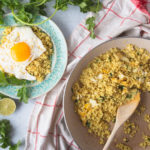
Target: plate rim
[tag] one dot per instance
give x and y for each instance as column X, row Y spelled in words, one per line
column 66, row 59
column 65, row 94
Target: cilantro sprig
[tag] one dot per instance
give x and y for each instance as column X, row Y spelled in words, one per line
column 3, row 81
column 6, row 80
column 90, row 22
column 3, row 96
column 5, row 129
column 26, row 13
column 23, row 93
column 88, row 5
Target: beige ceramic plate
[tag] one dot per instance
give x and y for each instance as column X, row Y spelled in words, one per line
column 80, row 134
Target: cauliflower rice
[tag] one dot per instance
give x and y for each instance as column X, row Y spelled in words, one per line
column 110, row 80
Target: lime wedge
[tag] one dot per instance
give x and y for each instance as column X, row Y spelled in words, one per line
column 7, row 106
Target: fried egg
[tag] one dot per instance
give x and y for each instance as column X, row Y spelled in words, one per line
column 20, row 48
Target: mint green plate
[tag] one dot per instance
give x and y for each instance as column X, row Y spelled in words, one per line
column 59, row 59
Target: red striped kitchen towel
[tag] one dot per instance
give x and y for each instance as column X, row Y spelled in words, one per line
column 47, row 129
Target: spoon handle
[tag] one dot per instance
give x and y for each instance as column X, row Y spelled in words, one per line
column 106, row 146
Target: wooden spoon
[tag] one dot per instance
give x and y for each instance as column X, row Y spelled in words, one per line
column 123, row 113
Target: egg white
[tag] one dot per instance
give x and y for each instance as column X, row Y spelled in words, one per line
column 18, row 69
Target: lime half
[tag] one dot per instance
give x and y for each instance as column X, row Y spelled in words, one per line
column 7, row 106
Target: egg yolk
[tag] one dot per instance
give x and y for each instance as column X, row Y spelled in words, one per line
column 20, row 52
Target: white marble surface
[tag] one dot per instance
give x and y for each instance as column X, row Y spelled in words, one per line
column 66, row 21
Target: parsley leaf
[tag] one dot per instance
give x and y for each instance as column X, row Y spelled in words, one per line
column 90, row 22
column 25, row 13
column 62, row 4
column 23, row 94
column 2, row 96
column 12, row 80
column 88, row 5
column 5, row 142
column 16, row 146
column 1, row 15
column 6, row 80
column 4, row 133
column 3, row 81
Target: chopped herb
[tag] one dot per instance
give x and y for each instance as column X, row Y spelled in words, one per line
column 110, row 74
column 88, row 124
column 76, row 101
column 114, row 120
column 121, row 87
column 109, row 58
column 97, row 60
column 141, row 64
column 102, row 98
column 89, row 65
column 129, row 96
column 72, row 90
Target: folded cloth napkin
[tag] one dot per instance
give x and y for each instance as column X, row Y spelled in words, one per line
column 47, row 129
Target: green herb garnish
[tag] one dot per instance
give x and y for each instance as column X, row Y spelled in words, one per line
column 102, row 98
column 26, row 13
column 121, row 87
column 90, row 22
column 129, row 96
column 89, row 65
column 97, row 60
column 5, row 142
column 6, row 80
column 3, row 80
column 23, row 94
column 12, row 80
column 88, row 124
column 76, row 101
column 109, row 58
column 16, row 146
column 72, row 90
column 114, row 120
column 87, row 5
column 4, row 133
column 2, row 96
column 110, row 74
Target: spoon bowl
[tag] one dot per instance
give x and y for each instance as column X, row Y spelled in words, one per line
column 123, row 113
